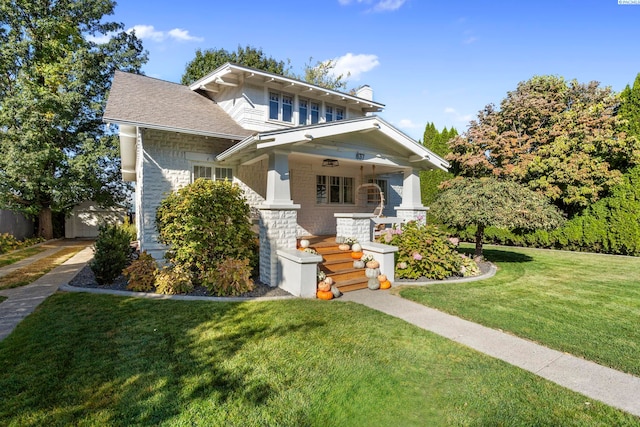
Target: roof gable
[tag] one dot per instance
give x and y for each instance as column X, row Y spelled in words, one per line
column 231, row 75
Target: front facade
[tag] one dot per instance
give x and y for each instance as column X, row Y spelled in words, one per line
column 306, row 157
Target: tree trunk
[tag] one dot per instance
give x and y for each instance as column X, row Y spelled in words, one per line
column 479, row 237
column 45, row 224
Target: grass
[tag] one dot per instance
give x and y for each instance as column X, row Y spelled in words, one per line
column 584, row 304
column 24, row 276
column 104, row 360
column 19, row 255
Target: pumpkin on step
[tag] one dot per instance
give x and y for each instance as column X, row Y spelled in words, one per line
column 356, row 247
column 344, row 247
column 356, row 255
column 358, row 263
column 304, row 243
column 385, row 284
column 373, row 264
column 373, row 284
column 324, row 295
column 382, row 278
column 324, row 286
column 335, row 291
column 372, row 273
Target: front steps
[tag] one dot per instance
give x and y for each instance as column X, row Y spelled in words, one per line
column 338, row 264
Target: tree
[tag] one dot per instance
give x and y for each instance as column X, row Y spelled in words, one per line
column 436, row 141
column 210, row 59
column 563, row 139
column 321, row 74
column 488, row 201
column 54, row 149
column 630, row 108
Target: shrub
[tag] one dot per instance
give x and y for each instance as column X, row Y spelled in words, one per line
column 8, row 243
column 173, row 280
column 423, row 251
column 232, row 277
column 204, row 224
column 112, row 253
column 141, row 273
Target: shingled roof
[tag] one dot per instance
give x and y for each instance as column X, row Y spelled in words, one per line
column 148, row 102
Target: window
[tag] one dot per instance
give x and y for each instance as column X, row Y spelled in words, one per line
column 280, row 107
column 328, row 113
column 373, row 195
column 206, row 172
column 315, row 113
column 339, row 113
column 303, row 110
column 334, row 189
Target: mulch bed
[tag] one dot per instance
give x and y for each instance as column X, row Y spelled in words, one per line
column 86, row 279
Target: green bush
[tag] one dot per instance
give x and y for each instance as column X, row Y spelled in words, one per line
column 112, row 253
column 9, row 243
column 232, row 277
column 141, row 273
column 173, row 280
column 424, row 251
column 204, row 224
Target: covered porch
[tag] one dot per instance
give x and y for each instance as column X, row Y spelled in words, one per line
column 316, row 181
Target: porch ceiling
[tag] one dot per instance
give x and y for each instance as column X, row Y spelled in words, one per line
column 369, row 140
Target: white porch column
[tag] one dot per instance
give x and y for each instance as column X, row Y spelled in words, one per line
column 411, row 208
column 278, row 218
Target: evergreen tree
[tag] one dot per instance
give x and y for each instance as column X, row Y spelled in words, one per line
column 630, row 108
column 55, row 151
column 436, row 141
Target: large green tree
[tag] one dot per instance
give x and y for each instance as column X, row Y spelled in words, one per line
column 561, row 138
column 438, row 142
column 485, row 202
column 54, row 149
column 208, row 60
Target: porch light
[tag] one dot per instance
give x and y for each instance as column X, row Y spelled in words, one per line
column 330, row 163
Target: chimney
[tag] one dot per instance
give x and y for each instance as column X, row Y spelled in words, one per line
column 365, row 92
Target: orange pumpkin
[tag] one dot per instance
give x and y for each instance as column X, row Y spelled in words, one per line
column 325, row 295
column 385, row 285
column 382, row 278
column 373, row 264
column 356, row 255
column 344, row 247
column 324, row 286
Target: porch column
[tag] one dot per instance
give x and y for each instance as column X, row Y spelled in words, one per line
column 411, row 208
column 278, row 218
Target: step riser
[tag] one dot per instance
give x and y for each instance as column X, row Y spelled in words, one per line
column 338, row 265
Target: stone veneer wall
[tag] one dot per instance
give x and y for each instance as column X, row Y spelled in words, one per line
column 163, row 167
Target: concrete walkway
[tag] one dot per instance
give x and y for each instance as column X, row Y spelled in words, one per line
column 23, row 300
column 597, row 382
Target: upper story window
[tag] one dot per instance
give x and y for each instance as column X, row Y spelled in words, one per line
column 315, row 113
column 280, row 107
column 213, row 173
column 332, row 113
column 303, row 111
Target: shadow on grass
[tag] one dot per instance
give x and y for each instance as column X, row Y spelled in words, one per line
column 499, row 255
column 130, row 361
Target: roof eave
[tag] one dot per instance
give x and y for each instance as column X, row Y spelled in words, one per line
column 198, row 132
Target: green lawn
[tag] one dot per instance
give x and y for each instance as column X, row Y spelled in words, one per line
column 584, row 304
column 15, row 256
column 84, row 359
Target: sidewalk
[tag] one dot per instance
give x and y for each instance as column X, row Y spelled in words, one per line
column 597, row 382
column 23, row 300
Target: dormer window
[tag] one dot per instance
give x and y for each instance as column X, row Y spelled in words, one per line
column 328, row 113
column 315, row 113
column 281, row 107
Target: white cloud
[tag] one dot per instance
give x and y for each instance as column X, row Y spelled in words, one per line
column 407, row 124
column 149, row 32
column 101, row 39
column 180, row 34
column 378, row 5
column 355, row 65
column 461, row 118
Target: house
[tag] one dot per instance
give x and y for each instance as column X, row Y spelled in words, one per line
column 300, row 152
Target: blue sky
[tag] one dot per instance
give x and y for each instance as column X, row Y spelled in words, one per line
column 427, row 61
